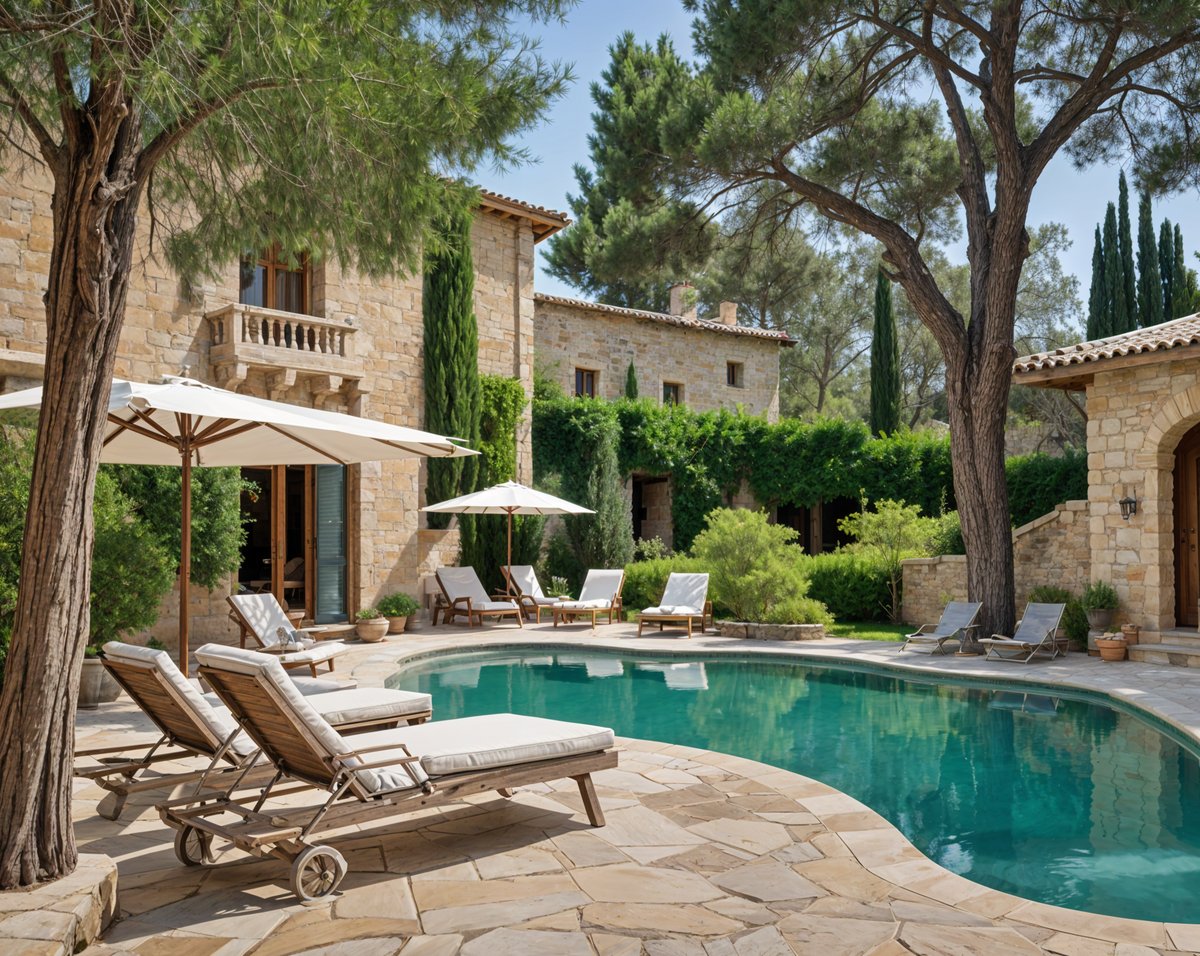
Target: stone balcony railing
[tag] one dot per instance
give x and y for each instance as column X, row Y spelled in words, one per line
column 246, row 337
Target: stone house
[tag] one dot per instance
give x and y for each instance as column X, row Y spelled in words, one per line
column 587, row 347
column 310, row 334
column 1139, row 528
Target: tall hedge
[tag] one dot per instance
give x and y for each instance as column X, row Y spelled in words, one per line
column 708, row 455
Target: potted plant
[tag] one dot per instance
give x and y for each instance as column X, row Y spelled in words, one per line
column 398, row 608
column 371, row 625
column 1100, row 603
column 1111, row 647
column 1131, row 633
column 96, row 684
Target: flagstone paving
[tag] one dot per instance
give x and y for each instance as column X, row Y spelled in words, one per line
column 704, row 855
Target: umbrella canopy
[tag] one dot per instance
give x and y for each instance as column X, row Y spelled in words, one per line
column 509, row 498
column 187, row 423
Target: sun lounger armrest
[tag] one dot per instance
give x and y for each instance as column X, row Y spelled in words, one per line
column 923, row 629
column 341, row 758
column 461, row 600
column 1000, row 637
column 388, row 762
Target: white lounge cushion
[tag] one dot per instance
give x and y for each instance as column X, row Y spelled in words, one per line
column 309, row 686
column 462, row 583
column 493, row 606
column 369, row 704
column 269, row 670
column 525, row 580
column 597, row 603
column 685, row 589
column 602, row 586
column 215, row 718
column 675, row 610
column 317, row 654
column 493, row 740
column 266, row 617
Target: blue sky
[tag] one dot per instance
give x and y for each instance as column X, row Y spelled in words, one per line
column 1072, row 197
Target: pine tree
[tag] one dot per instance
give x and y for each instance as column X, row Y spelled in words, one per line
column 1097, row 297
column 885, row 362
column 1150, row 298
column 1128, row 276
column 452, row 391
column 1166, row 265
column 1116, row 311
column 631, row 388
column 1181, row 297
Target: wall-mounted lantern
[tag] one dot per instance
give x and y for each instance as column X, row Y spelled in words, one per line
column 1128, row 507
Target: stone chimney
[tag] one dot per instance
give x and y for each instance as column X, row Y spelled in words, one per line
column 728, row 313
column 683, row 303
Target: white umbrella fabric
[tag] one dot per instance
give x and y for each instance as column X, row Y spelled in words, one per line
column 509, row 498
column 187, row 423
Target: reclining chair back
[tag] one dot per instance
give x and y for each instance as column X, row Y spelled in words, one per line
column 262, row 616
column 686, row 590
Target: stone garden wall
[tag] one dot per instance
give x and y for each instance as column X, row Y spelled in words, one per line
column 1053, row 549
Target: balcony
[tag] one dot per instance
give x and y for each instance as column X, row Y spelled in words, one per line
column 285, row 345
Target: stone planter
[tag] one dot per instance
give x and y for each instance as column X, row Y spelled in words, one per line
column 755, row 631
column 373, row 630
column 1100, row 618
column 415, row 622
column 96, row 685
column 1131, row 633
column 396, row 624
column 1111, row 648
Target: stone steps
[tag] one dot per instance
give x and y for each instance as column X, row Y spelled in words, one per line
column 1184, row 637
column 1178, row 655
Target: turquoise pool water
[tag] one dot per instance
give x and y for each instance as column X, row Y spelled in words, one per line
column 1053, row 798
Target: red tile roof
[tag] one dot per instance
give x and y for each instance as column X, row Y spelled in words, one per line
column 545, row 221
column 667, row 319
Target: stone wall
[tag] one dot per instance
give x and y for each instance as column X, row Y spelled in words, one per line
column 569, row 337
column 166, row 332
column 1053, row 549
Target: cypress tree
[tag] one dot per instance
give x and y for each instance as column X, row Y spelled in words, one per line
column 452, row 391
column 885, row 362
column 1097, row 301
column 1116, row 311
column 1128, row 276
column 631, row 389
column 1150, row 298
column 1181, row 297
column 1166, row 265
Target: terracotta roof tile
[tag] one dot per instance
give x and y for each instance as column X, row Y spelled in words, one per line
column 546, row 222
column 666, row 318
column 1156, row 338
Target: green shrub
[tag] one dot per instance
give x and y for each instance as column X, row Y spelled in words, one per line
column 889, row 533
column 1100, row 596
column 368, row 614
column 754, row 569
column 398, row 605
column 946, row 535
column 854, row 586
column 1038, row 483
column 647, row 549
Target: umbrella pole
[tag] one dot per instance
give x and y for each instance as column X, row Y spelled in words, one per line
column 508, row 577
column 185, row 545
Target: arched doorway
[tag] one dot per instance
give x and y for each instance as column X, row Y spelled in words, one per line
column 1187, row 529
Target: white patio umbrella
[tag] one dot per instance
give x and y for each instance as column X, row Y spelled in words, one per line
column 508, row 498
column 187, row 423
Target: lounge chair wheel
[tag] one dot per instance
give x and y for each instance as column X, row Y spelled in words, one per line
column 193, row 847
column 316, row 873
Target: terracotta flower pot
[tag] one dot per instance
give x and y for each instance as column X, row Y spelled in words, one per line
column 1111, row 649
column 396, row 624
column 1130, row 632
column 372, row 630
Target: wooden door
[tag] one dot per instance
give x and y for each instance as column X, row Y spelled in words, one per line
column 1187, row 523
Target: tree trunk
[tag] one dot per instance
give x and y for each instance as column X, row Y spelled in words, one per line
column 95, row 211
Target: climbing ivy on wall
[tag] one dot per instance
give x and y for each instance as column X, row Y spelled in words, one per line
column 791, row 462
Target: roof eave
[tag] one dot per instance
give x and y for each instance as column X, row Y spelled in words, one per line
column 544, row 223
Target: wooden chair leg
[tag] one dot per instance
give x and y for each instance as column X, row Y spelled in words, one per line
column 591, row 803
column 313, row 668
column 689, row 620
column 520, row 619
column 640, row 623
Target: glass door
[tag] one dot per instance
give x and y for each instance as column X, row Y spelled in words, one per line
column 330, row 545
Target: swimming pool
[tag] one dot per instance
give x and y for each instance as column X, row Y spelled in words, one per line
column 1051, row 796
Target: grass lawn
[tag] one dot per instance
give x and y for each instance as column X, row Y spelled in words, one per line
column 869, row 631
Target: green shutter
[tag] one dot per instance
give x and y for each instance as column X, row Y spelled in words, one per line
column 331, row 544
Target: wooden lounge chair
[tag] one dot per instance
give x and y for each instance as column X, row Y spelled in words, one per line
column 957, row 619
column 465, row 595
column 684, row 601
column 601, row 595
column 193, row 724
column 260, row 617
column 1035, row 635
column 528, row 590
column 371, row 777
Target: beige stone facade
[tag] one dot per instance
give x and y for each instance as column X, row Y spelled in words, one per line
column 364, row 357
column 700, row 357
column 1053, row 550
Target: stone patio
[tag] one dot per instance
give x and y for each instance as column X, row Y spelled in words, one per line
column 703, row 854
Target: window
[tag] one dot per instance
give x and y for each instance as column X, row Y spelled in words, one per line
column 735, row 374
column 272, row 281
column 672, row 393
column 585, row 382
